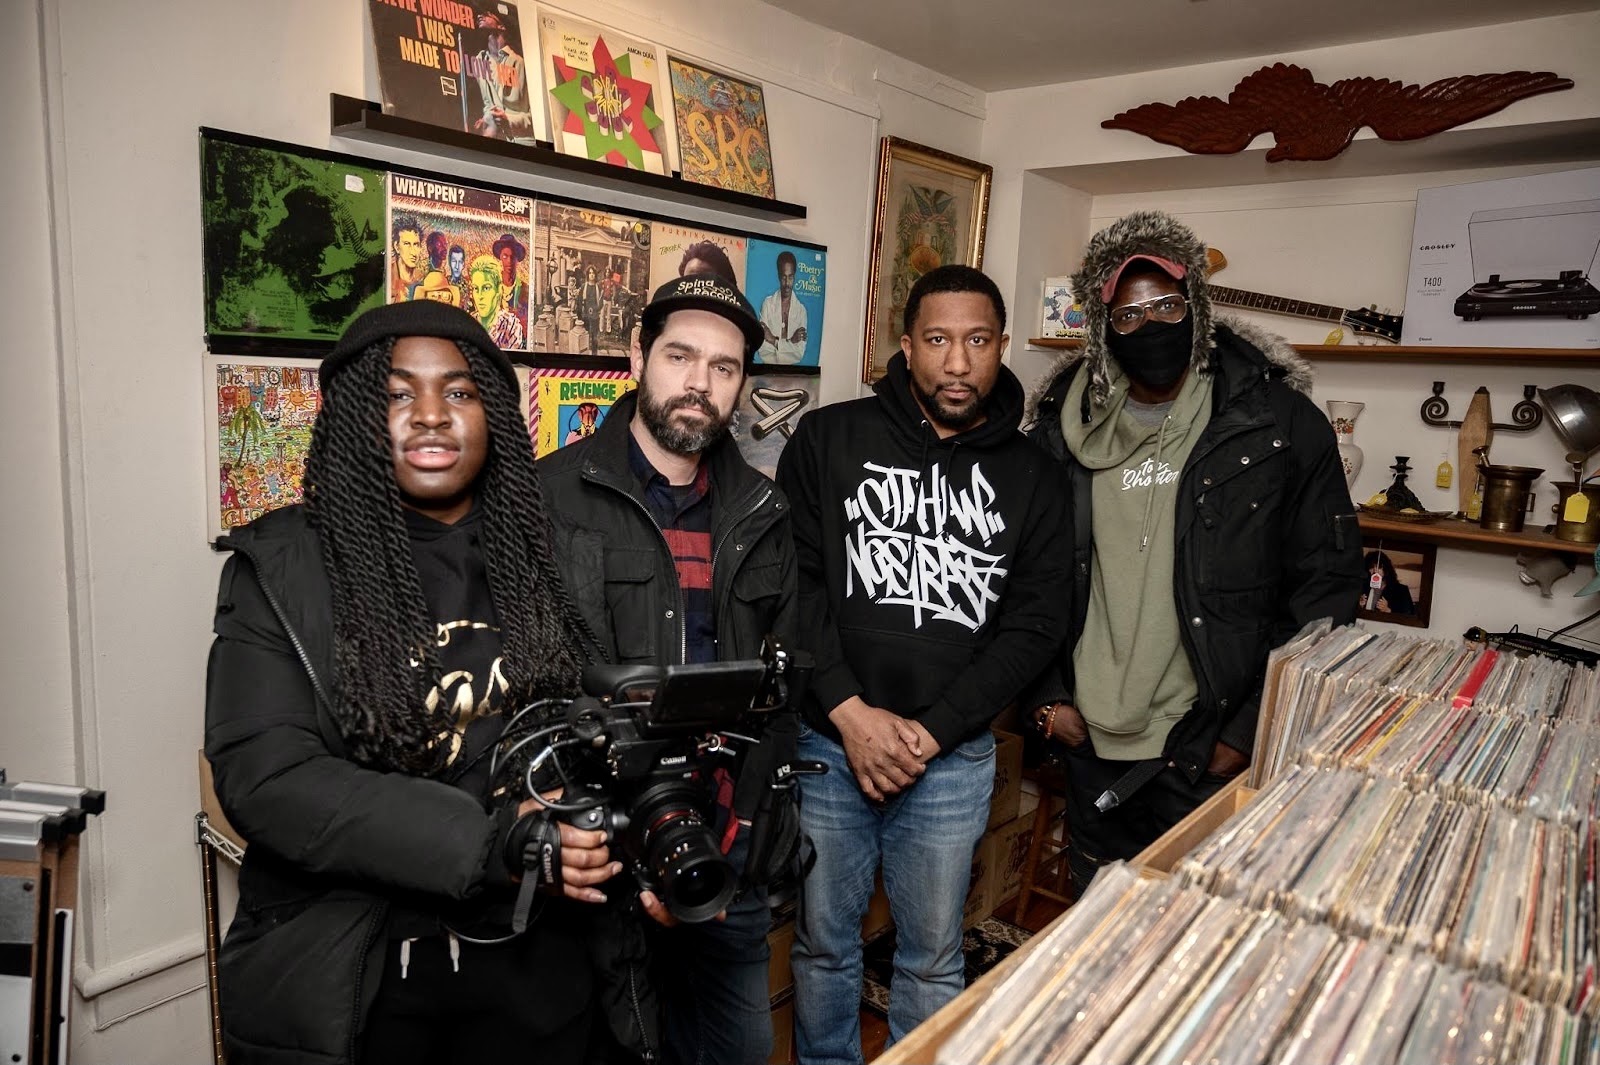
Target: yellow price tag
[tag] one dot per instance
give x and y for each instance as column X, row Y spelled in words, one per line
column 1577, row 508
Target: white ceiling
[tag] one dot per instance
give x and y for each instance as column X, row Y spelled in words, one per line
column 1007, row 44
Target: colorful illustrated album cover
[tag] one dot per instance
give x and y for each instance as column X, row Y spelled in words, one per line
column 1062, row 313
column 676, row 250
column 565, row 406
column 258, row 434
column 787, row 285
column 293, row 246
column 769, row 409
column 722, row 129
column 607, row 94
column 458, row 64
column 463, row 246
column 591, row 272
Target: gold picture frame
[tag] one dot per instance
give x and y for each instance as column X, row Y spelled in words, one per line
column 932, row 209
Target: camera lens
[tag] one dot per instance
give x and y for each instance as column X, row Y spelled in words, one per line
column 696, row 881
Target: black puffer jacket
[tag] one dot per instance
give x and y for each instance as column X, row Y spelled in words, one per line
column 332, row 845
column 620, row 573
column 1265, row 539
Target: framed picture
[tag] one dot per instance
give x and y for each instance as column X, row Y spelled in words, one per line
column 931, row 211
column 722, row 129
column 258, row 431
column 1397, row 583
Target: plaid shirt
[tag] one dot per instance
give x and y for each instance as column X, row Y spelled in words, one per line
column 683, row 513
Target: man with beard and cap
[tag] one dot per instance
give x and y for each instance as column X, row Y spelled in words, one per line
column 1211, row 523
column 931, row 590
column 676, row 550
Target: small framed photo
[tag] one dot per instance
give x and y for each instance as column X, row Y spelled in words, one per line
column 1397, row 581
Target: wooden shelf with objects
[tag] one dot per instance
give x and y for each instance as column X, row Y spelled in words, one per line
column 366, row 121
column 1414, row 353
column 1459, row 532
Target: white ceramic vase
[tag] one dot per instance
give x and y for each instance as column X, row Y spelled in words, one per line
column 1343, row 414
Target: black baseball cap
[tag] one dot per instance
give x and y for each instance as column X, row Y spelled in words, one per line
column 707, row 292
column 414, row 318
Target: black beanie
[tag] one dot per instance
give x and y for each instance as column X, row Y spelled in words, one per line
column 414, row 318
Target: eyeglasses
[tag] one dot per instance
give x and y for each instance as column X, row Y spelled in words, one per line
column 1169, row 308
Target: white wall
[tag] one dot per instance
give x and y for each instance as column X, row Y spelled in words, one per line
column 109, row 583
column 1336, row 233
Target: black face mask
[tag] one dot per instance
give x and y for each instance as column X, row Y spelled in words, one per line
column 1156, row 354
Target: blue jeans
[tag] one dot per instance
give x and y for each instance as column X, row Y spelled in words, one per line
column 925, row 838
column 713, row 982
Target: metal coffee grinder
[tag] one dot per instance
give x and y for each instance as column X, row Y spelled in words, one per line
column 1575, row 416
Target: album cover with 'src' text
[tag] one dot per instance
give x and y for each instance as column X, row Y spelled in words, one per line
column 722, row 129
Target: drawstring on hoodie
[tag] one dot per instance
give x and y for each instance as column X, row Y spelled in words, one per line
column 1150, row 496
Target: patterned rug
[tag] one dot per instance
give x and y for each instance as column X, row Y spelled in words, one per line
column 984, row 946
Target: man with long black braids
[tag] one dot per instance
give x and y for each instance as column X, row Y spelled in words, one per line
column 678, row 551
column 368, row 644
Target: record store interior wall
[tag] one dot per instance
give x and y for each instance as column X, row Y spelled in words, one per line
column 108, row 583
column 1336, row 233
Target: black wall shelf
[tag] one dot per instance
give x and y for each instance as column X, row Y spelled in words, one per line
column 364, row 120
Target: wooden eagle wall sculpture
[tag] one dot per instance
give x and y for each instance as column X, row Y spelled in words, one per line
column 1311, row 121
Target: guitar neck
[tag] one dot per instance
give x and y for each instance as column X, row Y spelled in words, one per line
column 1260, row 301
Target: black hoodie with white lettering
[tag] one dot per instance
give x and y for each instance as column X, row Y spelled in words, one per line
column 934, row 574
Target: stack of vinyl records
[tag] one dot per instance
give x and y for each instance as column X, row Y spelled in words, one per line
column 1417, row 883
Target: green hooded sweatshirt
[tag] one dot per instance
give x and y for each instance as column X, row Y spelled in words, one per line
column 1133, row 677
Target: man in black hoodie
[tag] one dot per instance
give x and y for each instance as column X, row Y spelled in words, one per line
column 925, row 529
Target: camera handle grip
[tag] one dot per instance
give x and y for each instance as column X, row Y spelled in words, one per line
column 534, row 846
column 784, row 779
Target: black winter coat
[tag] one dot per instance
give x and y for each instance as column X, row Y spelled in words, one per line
column 1266, row 540
column 620, row 574
column 331, row 844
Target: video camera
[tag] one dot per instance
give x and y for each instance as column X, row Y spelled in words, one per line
column 633, row 757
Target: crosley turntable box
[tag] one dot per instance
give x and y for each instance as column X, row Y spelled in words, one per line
column 1512, row 263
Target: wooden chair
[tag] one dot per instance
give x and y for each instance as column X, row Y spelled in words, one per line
column 1047, row 856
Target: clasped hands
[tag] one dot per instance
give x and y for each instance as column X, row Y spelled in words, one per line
column 886, row 752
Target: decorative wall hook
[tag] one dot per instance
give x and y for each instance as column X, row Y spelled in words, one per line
column 1526, row 416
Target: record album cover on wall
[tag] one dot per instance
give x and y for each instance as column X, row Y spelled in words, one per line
column 608, row 95
column 722, row 129
column 458, row 64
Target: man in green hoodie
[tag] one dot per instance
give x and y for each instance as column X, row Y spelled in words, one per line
column 1212, row 523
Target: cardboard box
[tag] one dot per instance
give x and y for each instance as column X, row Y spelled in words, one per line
column 1004, row 800
column 780, row 978
column 1008, row 856
column 783, row 1033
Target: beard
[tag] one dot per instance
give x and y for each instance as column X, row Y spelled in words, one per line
column 675, row 436
column 948, row 415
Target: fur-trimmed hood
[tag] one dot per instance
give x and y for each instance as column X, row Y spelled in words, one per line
column 1140, row 233
column 1159, row 234
column 1287, row 364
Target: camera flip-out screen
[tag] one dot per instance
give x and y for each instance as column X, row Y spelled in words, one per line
column 705, row 695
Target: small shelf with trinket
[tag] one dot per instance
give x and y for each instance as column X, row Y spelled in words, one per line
column 1459, row 532
column 1412, row 353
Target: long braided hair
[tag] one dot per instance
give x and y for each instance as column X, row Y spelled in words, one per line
column 385, row 653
